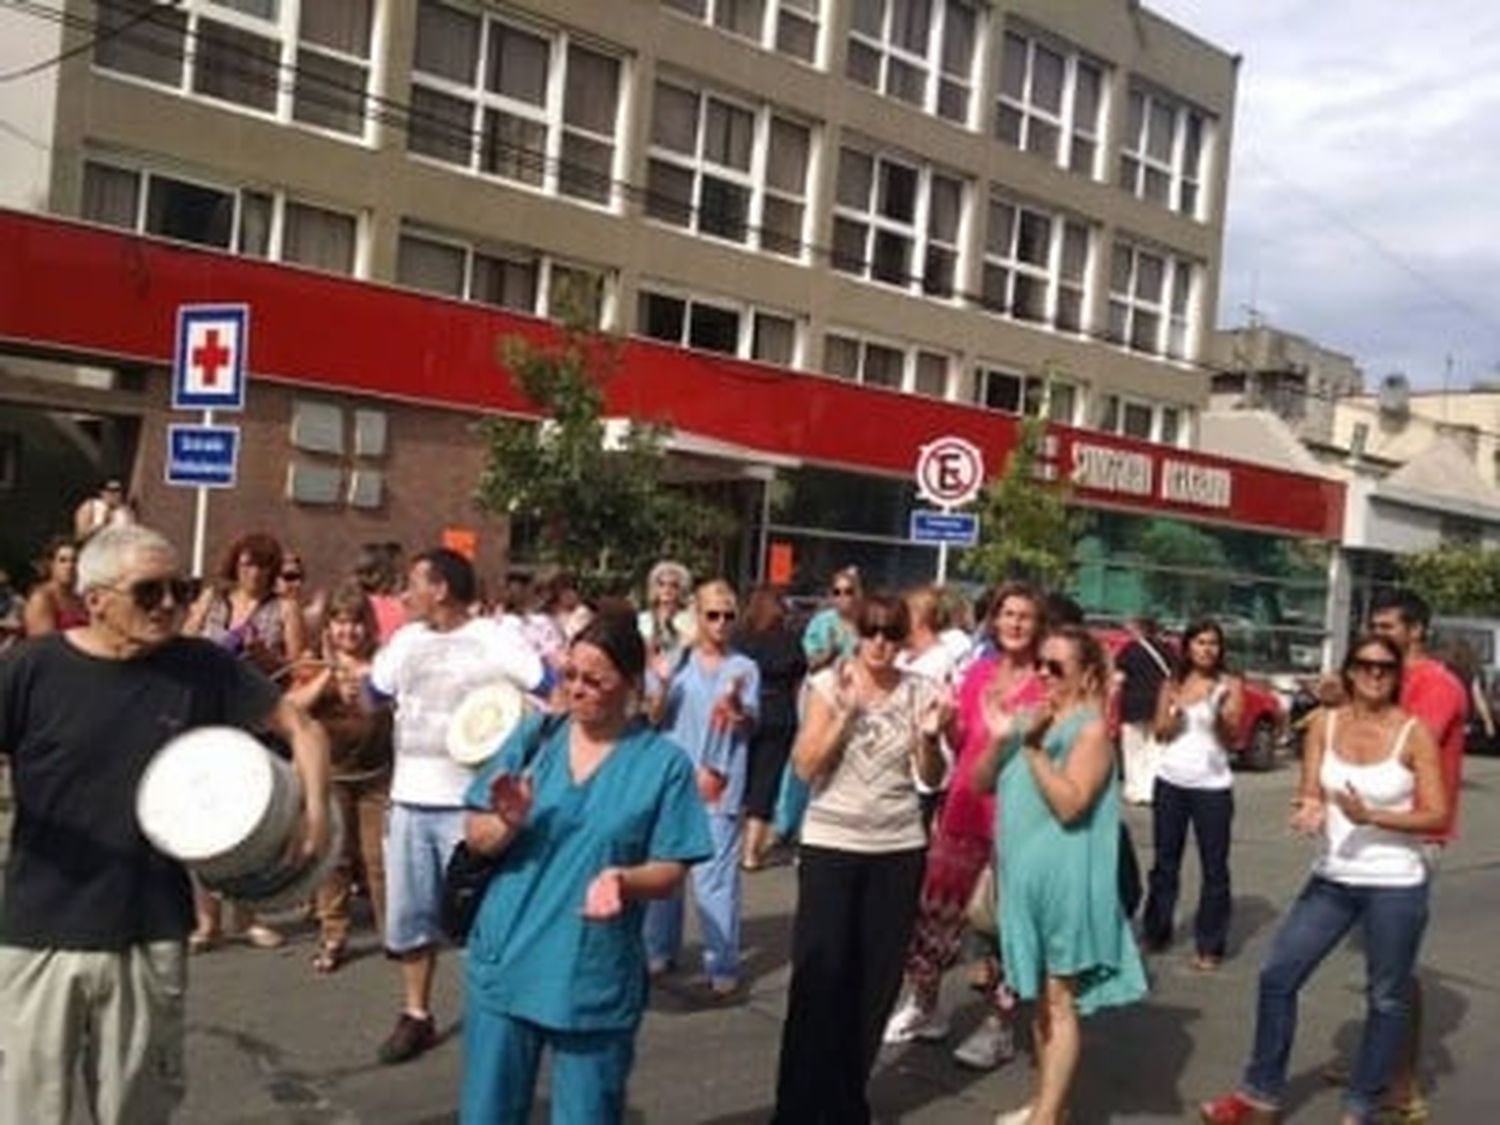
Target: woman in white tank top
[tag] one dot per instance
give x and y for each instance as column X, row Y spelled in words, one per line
column 1196, row 714
column 1371, row 788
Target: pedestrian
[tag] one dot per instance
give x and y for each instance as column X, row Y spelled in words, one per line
column 360, row 750
column 94, row 920
column 964, row 843
column 1198, row 711
column 925, row 654
column 53, row 605
column 1144, row 664
column 109, row 507
column 766, row 639
column 707, row 704
column 1371, row 790
column 427, row 670
column 590, row 815
column 871, row 732
column 667, row 621
column 1064, row 939
column 377, row 569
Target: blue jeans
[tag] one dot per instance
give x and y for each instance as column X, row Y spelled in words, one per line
column 1209, row 812
column 1393, row 919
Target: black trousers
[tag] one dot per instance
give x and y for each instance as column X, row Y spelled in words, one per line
column 1210, row 812
column 854, row 918
column 770, row 747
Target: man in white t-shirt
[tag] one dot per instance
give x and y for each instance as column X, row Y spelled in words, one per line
column 427, row 669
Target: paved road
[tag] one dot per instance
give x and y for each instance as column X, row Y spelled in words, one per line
column 269, row 1042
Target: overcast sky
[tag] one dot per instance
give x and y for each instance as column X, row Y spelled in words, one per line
column 1364, row 192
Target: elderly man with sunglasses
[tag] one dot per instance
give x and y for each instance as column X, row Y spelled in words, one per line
column 94, row 922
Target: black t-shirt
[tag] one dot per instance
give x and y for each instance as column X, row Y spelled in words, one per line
column 1143, row 674
column 779, row 656
column 79, row 731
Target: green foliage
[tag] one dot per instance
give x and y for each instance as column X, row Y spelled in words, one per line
column 1026, row 529
column 1456, row 579
column 1183, row 552
column 595, row 494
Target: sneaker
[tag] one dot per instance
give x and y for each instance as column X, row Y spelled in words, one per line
column 989, row 1045
column 1235, row 1109
column 411, row 1036
column 913, row 1021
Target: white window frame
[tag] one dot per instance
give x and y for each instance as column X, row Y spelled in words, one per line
column 550, row 115
column 283, row 31
column 918, row 231
column 145, row 173
column 911, row 358
column 1050, row 275
column 755, row 181
column 1107, row 401
column 1067, row 122
column 1037, row 396
column 546, row 264
column 744, row 311
column 1184, row 191
column 808, row 13
column 1175, row 310
column 890, row 54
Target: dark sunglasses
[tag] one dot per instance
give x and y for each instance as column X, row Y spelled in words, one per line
column 843, row 591
column 891, row 632
column 151, row 593
column 719, row 615
column 1374, row 667
column 587, row 679
column 291, row 576
column 1054, row 668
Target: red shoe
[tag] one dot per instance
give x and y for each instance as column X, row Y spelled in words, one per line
column 1236, row 1109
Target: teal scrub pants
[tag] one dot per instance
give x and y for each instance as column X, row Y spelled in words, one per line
column 589, row 1070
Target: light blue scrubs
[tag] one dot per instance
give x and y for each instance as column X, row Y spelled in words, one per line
column 538, row 973
column 826, row 632
column 716, row 882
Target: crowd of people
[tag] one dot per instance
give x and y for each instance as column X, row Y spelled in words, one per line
column 941, row 769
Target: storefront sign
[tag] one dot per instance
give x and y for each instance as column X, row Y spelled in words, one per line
column 1202, row 485
column 1111, row 470
column 1132, row 472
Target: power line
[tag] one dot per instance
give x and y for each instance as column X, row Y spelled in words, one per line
column 103, row 36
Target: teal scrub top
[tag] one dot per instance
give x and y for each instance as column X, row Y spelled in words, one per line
column 828, row 632
column 532, row 955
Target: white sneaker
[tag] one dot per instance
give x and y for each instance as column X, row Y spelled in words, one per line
column 911, row 1021
column 990, row 1044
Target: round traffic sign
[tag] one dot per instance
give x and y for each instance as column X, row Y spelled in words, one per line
column 950, row 471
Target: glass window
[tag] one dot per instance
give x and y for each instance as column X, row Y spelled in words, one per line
column 998, row 390
column 1161, row 156
column 775, row 339
column 147, row 46
column 111, row 195
column 317, row 237
column 507, row 280
column 1149, row 302
column 1035, row 266
column 879, row 238
column 235, row 65
column 841, row 356
column 714, row 328
column 189, row 212
column 1049, row 103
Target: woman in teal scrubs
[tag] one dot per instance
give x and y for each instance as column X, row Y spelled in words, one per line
column 590, row 814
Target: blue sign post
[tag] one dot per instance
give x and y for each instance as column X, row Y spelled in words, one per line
column 202, row 456
column 930, row 525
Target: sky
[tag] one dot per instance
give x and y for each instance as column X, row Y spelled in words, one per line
column 1364, row 192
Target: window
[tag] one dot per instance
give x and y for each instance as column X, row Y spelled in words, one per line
column 508, row 277
column 259, row 224
column 717, row 326
column 1050, row 102
column 787, row 26
column 1035, row 265
column 882, row 364
column 1150, row 301
column 529, row 106
column 917, row 51
column 1035, row 396
column 1144, row 421
column 1161, row 156
column 728, row 170
column 298, row 60
column 897, row 222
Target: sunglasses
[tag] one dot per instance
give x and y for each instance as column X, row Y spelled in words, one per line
column 893, row 633
column 1374, row 667
column 1054, row 668
column 150, row 594
column 843, row 591
column 594, row 683
column 291, row 576
column 719, row 615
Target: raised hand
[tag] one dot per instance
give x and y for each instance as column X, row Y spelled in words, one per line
column 605, row 897
column 511, row 797
column 936, row 714
column 1352, row 804
column 1307, row 816
column 711, row 785
column 998, row 720
column 846, row 691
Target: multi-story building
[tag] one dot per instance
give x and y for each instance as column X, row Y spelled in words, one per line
column 960, row 209
column 1257, row 367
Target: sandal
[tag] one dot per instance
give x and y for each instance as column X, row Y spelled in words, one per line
column 329, row 957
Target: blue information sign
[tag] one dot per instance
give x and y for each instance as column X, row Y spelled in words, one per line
column 202, row 456
column 929, row 525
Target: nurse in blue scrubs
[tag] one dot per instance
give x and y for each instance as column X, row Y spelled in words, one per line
column 591, row 815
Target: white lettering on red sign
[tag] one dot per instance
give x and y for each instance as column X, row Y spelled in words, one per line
column 1202, row 485
column 1111, row 470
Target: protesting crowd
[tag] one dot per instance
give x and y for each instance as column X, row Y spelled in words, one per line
column 947, row 776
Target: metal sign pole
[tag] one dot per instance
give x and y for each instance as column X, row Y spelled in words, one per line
column 200, row 516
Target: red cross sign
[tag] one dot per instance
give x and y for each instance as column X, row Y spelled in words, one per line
column 208, row 364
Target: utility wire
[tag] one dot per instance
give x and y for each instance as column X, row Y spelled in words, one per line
column 102, row 36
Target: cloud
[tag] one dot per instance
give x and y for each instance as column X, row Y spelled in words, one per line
column 1366, row 158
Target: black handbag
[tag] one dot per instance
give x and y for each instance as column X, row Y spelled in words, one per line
column 467, row 875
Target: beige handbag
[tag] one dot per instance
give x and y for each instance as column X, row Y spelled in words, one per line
column 983, row 911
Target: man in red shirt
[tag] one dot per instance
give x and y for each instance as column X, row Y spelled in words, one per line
column 1437, row 697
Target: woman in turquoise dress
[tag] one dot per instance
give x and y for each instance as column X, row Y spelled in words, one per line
column 590, row 815
column 1064, row 939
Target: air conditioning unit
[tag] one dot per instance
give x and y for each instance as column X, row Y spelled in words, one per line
column 1394, row 396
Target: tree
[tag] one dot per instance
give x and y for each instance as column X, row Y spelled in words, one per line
column 595, row 493
column 1458, row 579
column 1026, row 529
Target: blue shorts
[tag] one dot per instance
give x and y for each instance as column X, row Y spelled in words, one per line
column 418, row 841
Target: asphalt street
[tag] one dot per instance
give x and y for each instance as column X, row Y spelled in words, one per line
column 270, row 1042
